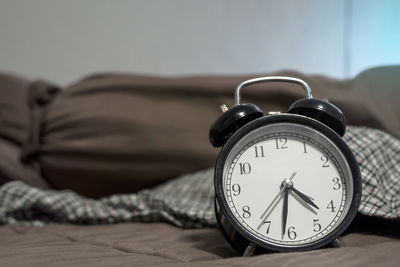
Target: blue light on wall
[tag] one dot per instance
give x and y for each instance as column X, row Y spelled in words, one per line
column 373, row 34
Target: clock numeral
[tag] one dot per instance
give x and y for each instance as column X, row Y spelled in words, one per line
column 281, row 143
column 246, row 212
column 317, row 226
column 259, row 150
column 325, row 160
column 305, row 148
column 236, row 189
column 268, row 225
column 291, row 233
column 331, row 206
column 245, row 168
column 336, row 184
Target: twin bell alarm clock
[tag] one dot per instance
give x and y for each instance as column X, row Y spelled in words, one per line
column 283, row 181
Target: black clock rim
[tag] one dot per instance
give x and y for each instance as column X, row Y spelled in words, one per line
column 299, row 119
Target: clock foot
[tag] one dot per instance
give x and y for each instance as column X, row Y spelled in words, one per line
column 337, row 243
column 249, row 250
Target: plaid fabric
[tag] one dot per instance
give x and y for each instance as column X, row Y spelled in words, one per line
column 187, row 201
column 378, row 155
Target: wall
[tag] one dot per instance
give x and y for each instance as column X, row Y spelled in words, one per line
column 65, row 40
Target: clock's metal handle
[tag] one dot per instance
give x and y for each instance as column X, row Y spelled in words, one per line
column 272, row 79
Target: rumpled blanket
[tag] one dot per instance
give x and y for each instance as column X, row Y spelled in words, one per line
column 188, row 200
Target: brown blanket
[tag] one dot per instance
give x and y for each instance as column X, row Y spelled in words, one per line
column 158, row 244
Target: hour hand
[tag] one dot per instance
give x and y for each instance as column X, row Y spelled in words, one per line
column 304, row 197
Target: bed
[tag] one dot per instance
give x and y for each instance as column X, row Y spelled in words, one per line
column 116, row 169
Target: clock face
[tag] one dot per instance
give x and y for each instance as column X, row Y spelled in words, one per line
column 287, row 185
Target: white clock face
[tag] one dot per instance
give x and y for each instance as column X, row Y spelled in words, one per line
column 287, row 184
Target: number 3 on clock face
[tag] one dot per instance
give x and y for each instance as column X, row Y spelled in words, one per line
column 286, row 185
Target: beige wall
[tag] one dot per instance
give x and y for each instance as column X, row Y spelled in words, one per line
column 65, row 40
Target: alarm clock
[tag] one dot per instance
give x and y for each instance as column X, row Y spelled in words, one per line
column 283, row 181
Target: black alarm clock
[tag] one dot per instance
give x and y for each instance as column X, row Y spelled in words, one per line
column 283, row 181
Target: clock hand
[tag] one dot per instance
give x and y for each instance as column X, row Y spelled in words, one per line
column 293, row 175
column 304, row 197
column 272, row 203
column 285, row 210
column 275, row 201
column 269, row 209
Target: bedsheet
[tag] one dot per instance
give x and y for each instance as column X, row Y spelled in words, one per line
column 160, row 244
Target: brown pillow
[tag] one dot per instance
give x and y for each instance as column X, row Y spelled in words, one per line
column 15, row 118
column 11, row 167
column 14, row 109
column 117, row 133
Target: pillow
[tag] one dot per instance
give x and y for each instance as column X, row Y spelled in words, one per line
column 15, row 118
column 14, row 109
column 11, row 167
column 119, row 133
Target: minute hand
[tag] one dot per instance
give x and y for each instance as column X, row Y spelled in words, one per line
column 285, row 210
column 304, row 197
